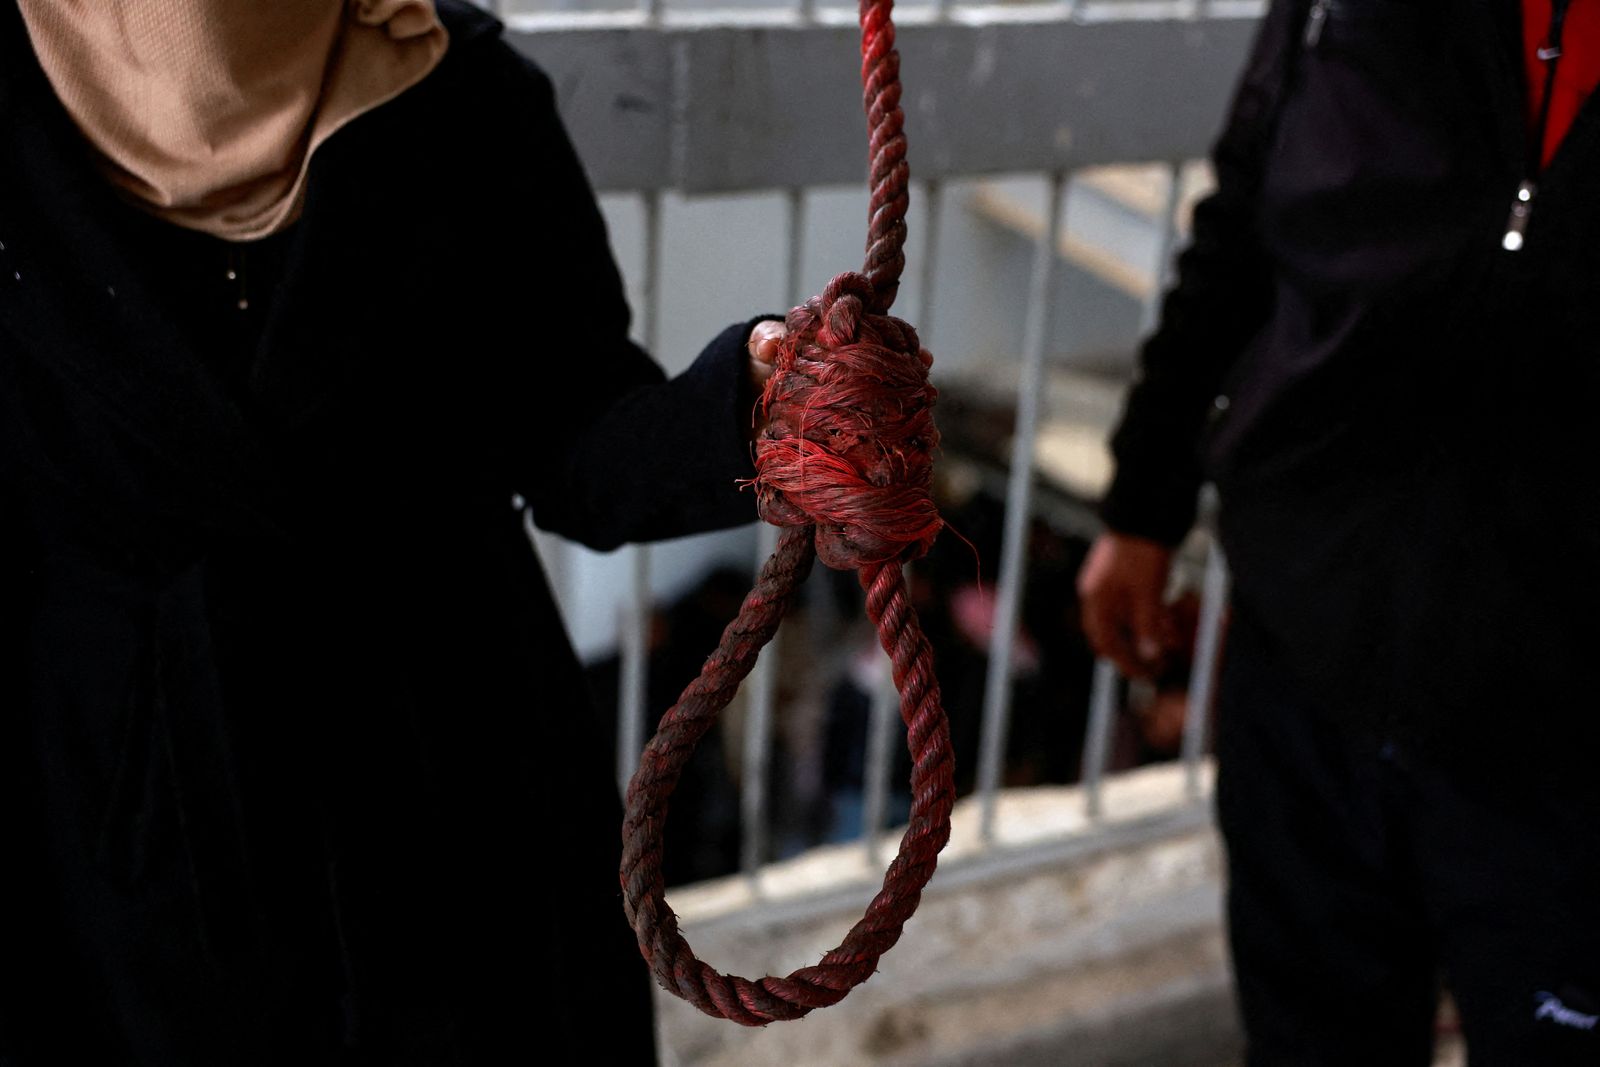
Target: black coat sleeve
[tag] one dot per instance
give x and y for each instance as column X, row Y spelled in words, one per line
column 1221, row 299
column 612, row 451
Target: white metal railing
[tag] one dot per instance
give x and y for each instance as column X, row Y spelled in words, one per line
column 635, row 97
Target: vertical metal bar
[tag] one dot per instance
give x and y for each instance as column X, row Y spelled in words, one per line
column 652, row 8
column 634, row 638
column 927, row 277
column 762, row 708
column 1208, row 642
column 1164, row 248
column 757, row 746
column 1103, row 697
column 1097, row 739
column 1019, row 490
column 795, row 212
column 880, row 758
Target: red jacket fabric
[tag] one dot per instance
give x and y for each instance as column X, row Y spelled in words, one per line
column 1578, row 72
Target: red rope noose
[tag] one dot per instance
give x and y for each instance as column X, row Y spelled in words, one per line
column 846, row 465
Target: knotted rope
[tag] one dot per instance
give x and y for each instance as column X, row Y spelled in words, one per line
column 845, row 464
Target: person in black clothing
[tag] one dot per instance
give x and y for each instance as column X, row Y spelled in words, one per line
column 296, row 762
column 1381, row 348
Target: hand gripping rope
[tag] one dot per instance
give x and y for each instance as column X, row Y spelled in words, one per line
column 845, row 464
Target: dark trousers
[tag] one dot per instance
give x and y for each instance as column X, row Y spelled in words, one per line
column 1362, row 874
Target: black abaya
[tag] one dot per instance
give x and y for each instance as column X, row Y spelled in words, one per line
column 297, row 764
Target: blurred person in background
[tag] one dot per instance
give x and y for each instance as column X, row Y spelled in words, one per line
column 296, row 765
column 1381, row 347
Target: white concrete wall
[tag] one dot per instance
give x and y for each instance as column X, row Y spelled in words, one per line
column 1068, row 947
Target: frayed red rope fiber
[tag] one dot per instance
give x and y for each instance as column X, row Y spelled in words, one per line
column 846, row 465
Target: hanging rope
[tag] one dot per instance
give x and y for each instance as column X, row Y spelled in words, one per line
column 846, row 465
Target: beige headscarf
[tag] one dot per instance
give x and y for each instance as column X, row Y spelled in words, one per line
column 207, row 111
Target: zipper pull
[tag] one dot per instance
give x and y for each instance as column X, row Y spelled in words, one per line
column 1314, row 22
column 1517, row 223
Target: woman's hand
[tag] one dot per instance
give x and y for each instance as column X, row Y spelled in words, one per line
column 763, row 348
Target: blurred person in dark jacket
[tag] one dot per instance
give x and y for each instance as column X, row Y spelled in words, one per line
column 1382, row 348
column 296, row 765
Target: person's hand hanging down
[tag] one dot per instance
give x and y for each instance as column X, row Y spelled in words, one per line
column 1122, row 591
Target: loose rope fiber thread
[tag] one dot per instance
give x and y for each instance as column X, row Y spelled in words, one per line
column 845, row 464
